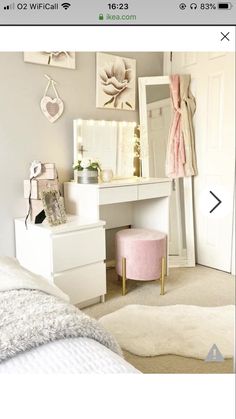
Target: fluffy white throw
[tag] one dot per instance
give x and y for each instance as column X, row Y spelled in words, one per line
column 184, row 330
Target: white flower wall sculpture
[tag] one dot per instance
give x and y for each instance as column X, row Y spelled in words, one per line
column 116, row 78
column 63, row 59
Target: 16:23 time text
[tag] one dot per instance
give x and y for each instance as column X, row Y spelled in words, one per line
column 118, row 6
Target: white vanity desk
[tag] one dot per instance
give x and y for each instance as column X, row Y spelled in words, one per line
column 139, row 202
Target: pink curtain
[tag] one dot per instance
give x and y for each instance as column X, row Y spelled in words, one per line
column 175, row 157
column 181, row 155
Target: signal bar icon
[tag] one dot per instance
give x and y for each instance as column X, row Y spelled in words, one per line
column 9, row 6
column 65, row 5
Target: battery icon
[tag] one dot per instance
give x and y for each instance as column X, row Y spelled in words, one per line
column 225, row 6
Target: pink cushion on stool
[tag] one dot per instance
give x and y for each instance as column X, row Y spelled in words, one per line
column 143, row 250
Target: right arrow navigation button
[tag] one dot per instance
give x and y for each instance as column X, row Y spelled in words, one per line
column 218, row 203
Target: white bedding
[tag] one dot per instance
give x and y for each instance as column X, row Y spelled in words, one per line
column 68, row 356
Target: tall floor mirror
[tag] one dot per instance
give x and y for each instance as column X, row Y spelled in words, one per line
column 155, row 108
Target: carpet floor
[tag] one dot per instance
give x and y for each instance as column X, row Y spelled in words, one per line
column 195, row 286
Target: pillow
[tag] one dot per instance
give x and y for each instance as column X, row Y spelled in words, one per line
column 13, row 276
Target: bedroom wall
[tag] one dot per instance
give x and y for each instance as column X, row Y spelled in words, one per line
column 157, row 92
column 26, row 135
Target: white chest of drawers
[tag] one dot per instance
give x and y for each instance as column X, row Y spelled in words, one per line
column 70, row 255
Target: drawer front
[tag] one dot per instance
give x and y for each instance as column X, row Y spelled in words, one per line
column 117, row 194
column 78, row 248
column 82, row 284
column 155, row 190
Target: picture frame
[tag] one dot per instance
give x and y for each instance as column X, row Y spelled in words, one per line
column 63, row 59
column 115, row 82
column 53, row 207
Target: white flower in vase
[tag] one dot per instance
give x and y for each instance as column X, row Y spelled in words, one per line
column 85, row 163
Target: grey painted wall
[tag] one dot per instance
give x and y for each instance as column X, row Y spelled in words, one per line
column 157, row 92
column 25, row 134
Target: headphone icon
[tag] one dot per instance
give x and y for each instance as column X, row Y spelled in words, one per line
column 193, row 6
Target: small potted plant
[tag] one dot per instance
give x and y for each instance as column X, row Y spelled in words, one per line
column 87, row 170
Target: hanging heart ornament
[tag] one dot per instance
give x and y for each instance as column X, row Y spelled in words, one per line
column 52, row 108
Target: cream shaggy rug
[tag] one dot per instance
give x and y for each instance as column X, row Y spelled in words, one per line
column 183, row 330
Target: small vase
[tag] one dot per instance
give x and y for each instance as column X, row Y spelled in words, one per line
column 106, row 175
column 87, row 176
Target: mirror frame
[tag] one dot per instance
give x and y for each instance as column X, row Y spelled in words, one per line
column 188, row 259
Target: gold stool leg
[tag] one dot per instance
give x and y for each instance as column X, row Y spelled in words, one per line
column 123, row 276
column 163, row 268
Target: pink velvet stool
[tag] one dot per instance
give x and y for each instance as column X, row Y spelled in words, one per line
column 140, row 255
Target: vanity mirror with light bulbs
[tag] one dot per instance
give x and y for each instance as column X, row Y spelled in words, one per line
column 110, row 142
column 155, row 108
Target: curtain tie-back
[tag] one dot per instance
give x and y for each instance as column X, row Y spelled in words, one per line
column 178, row 110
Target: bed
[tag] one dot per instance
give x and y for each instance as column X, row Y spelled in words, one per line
column 41, row 332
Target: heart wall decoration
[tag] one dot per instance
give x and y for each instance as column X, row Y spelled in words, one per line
column 51, row 108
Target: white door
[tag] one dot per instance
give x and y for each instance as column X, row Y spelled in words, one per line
column 213, row 82
column 159, row 121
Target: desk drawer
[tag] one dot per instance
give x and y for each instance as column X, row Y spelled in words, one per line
column 78, row 248
column 155, row 190
column 117, row 194
column 82, row 284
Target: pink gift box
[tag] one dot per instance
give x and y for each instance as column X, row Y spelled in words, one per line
column 38, row 185
column 48, row 171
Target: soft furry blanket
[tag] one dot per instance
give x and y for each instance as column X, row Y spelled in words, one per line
column 184, row 330
column 31, row 317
